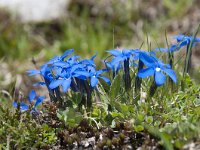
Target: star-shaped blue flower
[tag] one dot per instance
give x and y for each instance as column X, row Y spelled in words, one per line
column 95, row 75
column 159, row 70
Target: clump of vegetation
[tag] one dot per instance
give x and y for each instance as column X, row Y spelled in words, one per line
column 137, row 100
column 20, row 131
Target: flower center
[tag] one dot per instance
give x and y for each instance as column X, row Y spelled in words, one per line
column 158, row 69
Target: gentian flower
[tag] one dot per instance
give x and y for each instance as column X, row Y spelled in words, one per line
column 32, row 96
column 159, row 71
column 182, row 40
column 185, row 40
column 95, row 75
column 122, row 56
column 114, row 67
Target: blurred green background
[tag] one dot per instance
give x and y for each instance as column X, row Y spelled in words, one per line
column 90, row 27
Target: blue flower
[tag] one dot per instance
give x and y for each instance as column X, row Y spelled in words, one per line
column 120, row 55
column 32, row 96
column 95, row 75
column 114, row 67
column 171, row 49
column 45, row 71
column 158, row 70
column 23, row 106
column 184, row 40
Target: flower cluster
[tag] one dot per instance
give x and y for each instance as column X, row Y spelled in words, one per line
column 80, row 75
column 70, row 72
column 33, row 102
column 154, row 66
column 147, row 62
column 65, row 72
column 182, row 41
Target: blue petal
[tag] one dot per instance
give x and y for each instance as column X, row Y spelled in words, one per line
column 23, row 106
column 147, row 60
column 39, row 83
column 80, row 77
column 54, row 60
column 115, row 52
column 197, row 39
column 160, row 78
column 33, row 72
column 171, row 74
column 54, row 84
column 83, row 73
column 116, row 60
column 109, row 65
column 93, row 57
column 66, row 53
column 66, row 84
column 91, row 69
column 15, row 104
column 174, row 48
column 32, row 95
column 179, row 37
column 61, row 64
column 39, row 100
column 143, row 73
column 106, row 80
column 101, row 71
column 88, row 62
column 94, row 81
column 75, row 67
column 127, row 52
column 167, row 66
column 184, row 43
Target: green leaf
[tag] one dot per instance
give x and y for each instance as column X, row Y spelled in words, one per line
column 124, row 108
column 117, row 114
column 103, row 95
column 115, row 87
column 140, row 117
column 197, row 102
column 139, row 128
column 157, row 123
column 96, row 112
column 113, row 124
column 149, row 119
column 70, row 117
column 165, row 138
